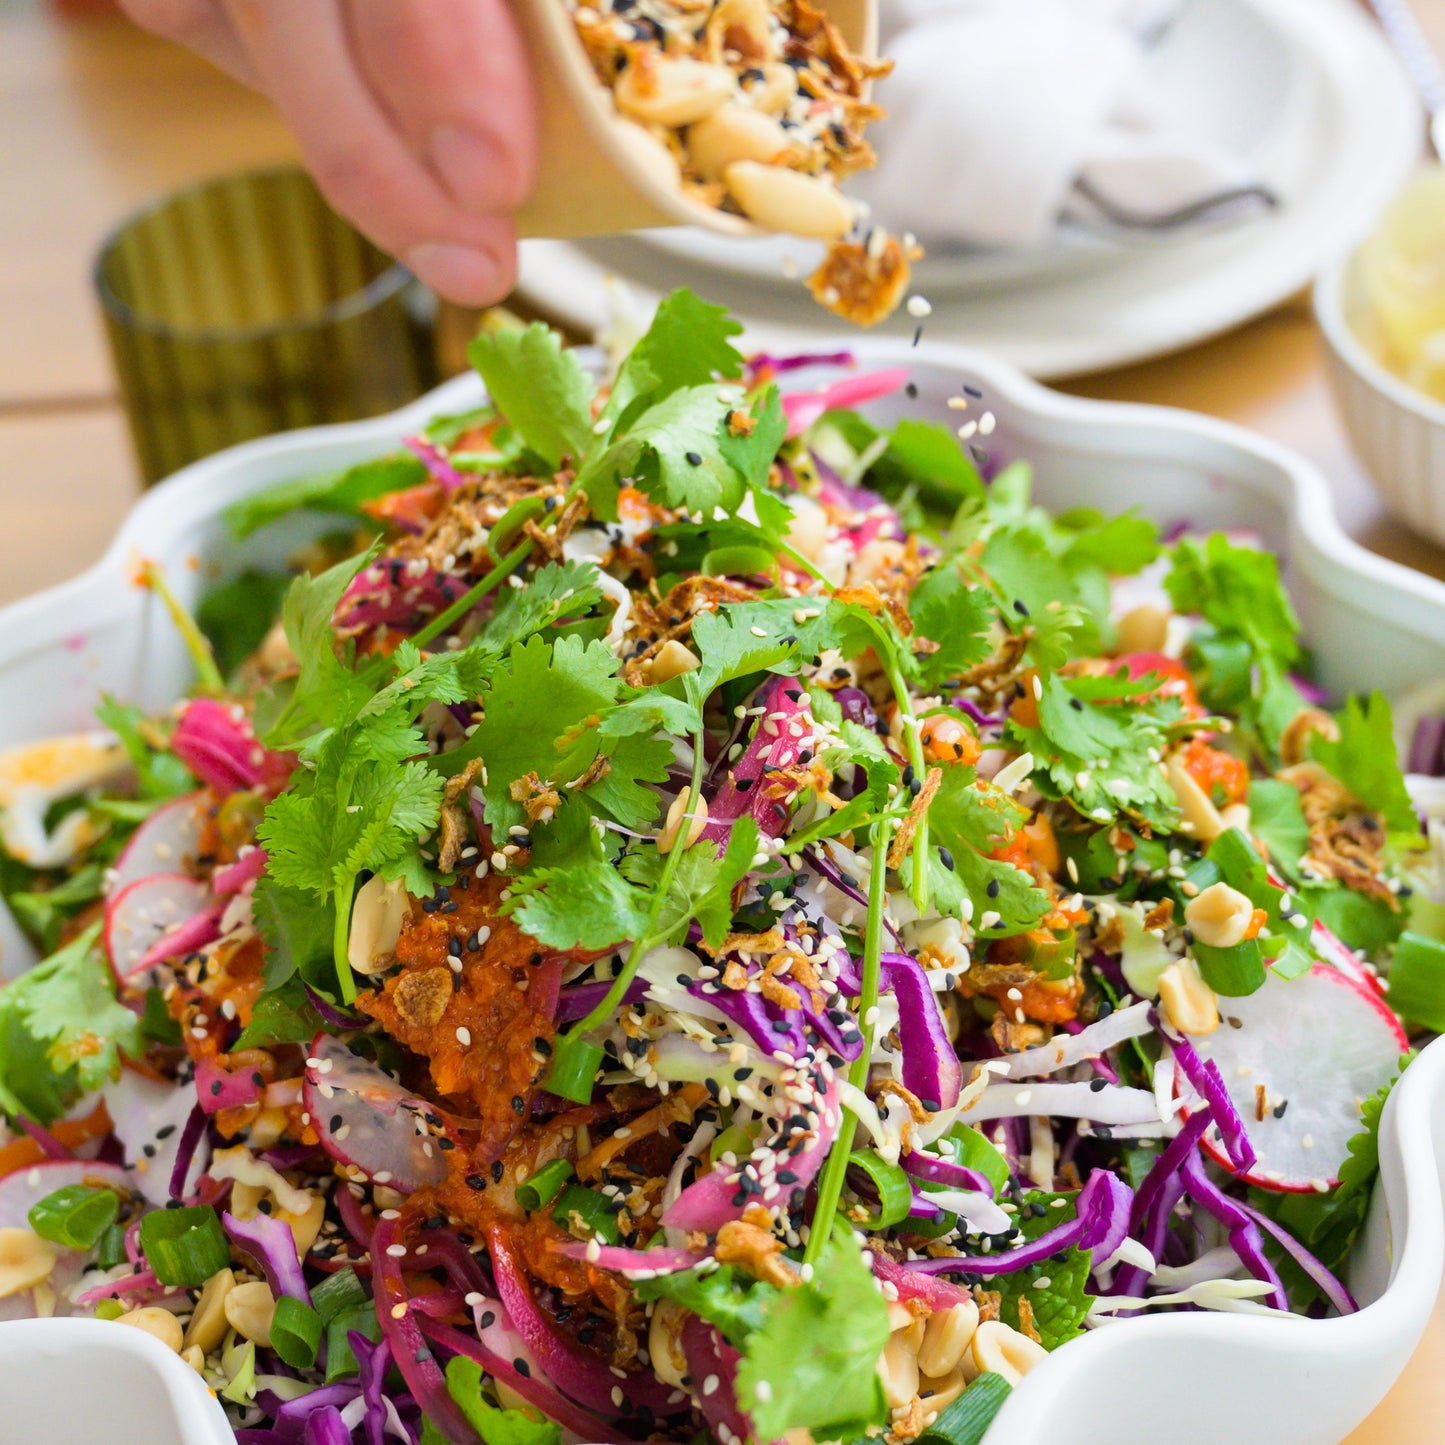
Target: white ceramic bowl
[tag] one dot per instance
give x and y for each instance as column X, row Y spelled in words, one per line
column 1397, row 430
column 1189, row 1379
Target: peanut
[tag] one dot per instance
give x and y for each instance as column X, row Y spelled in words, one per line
column 946, row 1338
column 731, row 133
column 672, row 91
column 162, row 1324
column 671, row 660
column 664, row 1343
column 1201, row 818
column 649, row 154
column 25, row 1260
column 775, row 90
column 208, row 1321
column 1219, row 917
column 672, row 827
column 1142, row 629
column 249, row 1310
column 376, row 919
column 783, row 200
column 1000, row 1349
column 898, row 1369
column 1189, row 1003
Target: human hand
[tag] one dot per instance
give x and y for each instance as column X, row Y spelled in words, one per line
column 415, row 116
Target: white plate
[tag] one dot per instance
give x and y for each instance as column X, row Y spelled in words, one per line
column 1188, row 1379
column 1314, row 94
column 1222, row 75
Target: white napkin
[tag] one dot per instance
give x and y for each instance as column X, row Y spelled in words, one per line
column 998, row 107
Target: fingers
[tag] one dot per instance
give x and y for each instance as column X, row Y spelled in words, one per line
column 304, row 58
column 199, row 25
column 453, row 76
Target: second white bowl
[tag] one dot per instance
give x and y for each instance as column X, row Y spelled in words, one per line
column 1397, row 430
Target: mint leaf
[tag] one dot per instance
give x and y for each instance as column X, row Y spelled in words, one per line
column 1060, row 1306
column 1365, row 761
column 341, row 491
column 1278, row 821
column 236, row 617
column 540, row 387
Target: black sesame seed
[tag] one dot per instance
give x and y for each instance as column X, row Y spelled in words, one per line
column 497, row 1171
column 993, row 888
column 694, row 459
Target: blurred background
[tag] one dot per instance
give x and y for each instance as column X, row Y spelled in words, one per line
column 100, row 120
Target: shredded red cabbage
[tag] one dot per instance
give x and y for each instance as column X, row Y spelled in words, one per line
column 271, row 1244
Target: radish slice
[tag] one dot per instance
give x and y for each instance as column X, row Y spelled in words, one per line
column 162, row 843
column 1333, row 950
column 1319, row 1046
column 143, row 913
column 149, row 1117
column 25, row 1188
column 366, row 1119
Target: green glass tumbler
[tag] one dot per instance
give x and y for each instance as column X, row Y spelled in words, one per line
column 245, row 306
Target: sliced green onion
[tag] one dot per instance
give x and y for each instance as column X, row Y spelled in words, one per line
column 542, row 1188
column 1232, row 971
column 341, row 1362
column 338, row 1293
column 295, row 1332
column 575, row 1062
column 184, row 1246
column 109, row 1309
column 971, row 1149
column 1417, row 981
column 75, row 1216
column 936, row 1228
column 895, row 1192
column 595, row 1212
column 111, row 1251
column 966, row 1421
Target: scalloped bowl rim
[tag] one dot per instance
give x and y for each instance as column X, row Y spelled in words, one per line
column 1251, row 1349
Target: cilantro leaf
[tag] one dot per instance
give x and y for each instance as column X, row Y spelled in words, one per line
column 62, row 1032
column 702, row 886
column 1099, row 747
column 1365, row 761
column 674, row 451
column 159, row 773
column 541, row 715
column 957, row 617
column 973, row 820
column 751, row 455
column 777, row 634
column 283, row 1015
column 325, row 689
column 812, row 1363
column 540, row 387
column 734, row 1303
column 688, row 343
column 622, row 792
column 1238, row 590
column 555, row 591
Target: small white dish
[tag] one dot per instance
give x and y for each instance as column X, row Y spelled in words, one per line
column 1307, row 88
column 1188, row 1379
column 1397, row 430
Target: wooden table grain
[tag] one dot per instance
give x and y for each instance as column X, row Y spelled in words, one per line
column 96, row 119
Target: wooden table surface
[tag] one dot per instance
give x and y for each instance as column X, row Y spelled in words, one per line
column 97, row 118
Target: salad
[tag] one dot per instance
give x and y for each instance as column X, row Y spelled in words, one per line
column 686, row 914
